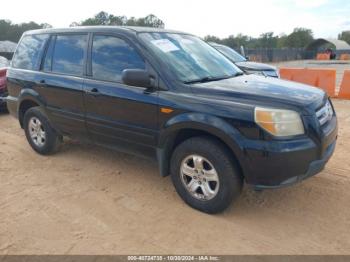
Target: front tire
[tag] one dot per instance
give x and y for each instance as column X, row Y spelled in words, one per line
column 40, row 134
column 204, row 174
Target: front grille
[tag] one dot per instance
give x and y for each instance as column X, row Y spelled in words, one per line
column 325, row 113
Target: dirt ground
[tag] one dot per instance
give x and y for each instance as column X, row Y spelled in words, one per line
column 89, row 200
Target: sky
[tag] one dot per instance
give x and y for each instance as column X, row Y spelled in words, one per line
column 327, row 18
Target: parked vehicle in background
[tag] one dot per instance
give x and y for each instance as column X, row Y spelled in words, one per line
column 244, row 64
column 3, row 89
column 4, row 62
column 171, row 96
column 331, row 53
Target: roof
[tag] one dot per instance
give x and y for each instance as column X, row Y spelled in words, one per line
column 105, row 29
column 339, row 44
column 7, row 47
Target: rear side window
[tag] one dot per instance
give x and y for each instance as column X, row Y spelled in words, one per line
column 110, row 56
column 68, row 54
column 29, row 52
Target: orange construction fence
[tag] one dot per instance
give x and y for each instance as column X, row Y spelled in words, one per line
column 344, row 57
column 255, row 58
column 344, row 91
column 323, row 56
column 321, row 78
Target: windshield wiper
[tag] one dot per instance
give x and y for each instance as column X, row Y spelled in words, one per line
column 211, row 79
column 238, row 74
column 201, row 80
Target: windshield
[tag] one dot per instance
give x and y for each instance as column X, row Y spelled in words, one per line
column 189, row 58
column 230, row 54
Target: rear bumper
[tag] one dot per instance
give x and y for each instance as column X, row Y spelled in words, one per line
column 3, row 101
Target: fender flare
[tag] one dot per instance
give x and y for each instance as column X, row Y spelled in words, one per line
column 210, row 124
column 29, row 95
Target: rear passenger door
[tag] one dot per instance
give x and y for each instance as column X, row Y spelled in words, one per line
column 118, row 115
column 61, row 82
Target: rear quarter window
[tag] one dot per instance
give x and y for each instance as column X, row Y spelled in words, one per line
column 29, row 52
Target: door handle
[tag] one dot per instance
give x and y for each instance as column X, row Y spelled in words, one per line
column 94, row 92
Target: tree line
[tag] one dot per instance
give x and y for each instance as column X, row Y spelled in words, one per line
column 345, row 36
column 103, row 18
column 13, row 32
column 299, row 38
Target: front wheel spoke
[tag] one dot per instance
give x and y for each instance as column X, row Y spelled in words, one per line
column 211, row 175
column 187, row 170
column 33, row 135
column 198, row 162
column 207, row 190
column 42, row 134
column 192, row 186
column 33, row 124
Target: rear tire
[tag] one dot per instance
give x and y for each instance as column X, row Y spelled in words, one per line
column 40, row 134
column 205, row 175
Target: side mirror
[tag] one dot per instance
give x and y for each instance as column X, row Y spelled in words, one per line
column 136, row 77
column 247, row 57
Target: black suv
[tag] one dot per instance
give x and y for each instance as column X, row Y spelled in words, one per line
column 171, row 96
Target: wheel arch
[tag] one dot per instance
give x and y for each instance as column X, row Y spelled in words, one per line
column 28, row 98
column 185, row 126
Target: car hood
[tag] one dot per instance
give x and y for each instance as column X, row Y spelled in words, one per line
column 262, row 90
column 255, row 66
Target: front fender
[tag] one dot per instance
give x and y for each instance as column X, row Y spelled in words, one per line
column 210, row 124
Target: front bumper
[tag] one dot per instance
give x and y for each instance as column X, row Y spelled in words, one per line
column 315, row 167
column 275, row 164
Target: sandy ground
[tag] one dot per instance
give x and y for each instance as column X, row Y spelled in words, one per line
column 89, row 200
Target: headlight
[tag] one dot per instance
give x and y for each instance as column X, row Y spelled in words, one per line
column 251, row 72
column 279, row 122
column 271, row 73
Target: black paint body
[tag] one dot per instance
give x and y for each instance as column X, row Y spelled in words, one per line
column 129, row 118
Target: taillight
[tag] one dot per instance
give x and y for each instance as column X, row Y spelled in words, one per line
column 3, row 78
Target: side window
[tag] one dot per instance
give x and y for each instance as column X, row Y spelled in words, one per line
column 68, row 55
column 29, row 52
column 47, row 66
column 110, row 56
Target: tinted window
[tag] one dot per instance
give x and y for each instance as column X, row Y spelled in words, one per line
column 29, row 51
column 68, row 56
column 110, row 56
column 48, row 57
column 231, row 54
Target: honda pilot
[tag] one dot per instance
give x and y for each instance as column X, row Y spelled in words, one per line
column 170, row 96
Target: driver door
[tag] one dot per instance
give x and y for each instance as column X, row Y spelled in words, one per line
column 118, row 115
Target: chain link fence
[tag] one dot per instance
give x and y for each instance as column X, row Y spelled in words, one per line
column 279, row 55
